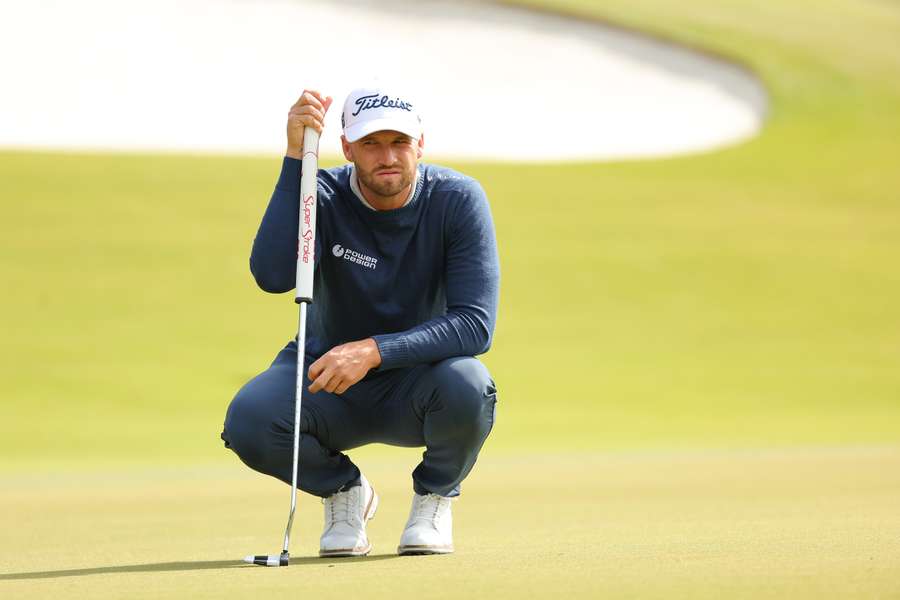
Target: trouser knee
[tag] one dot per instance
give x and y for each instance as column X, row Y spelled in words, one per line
column 467, row 394
column 245, row 430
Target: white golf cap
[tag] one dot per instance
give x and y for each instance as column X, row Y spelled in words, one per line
column 367, row 110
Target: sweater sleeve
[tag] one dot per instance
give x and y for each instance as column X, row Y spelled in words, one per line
column 273, row 259
column 472, row 271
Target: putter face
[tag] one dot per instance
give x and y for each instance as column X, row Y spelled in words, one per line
column 268, row 560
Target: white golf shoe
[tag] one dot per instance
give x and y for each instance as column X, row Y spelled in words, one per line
column 429, row 529
column 346, row 514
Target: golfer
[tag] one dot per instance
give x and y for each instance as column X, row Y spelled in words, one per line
column 406, row 287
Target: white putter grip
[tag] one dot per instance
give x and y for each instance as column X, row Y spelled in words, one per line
column 306, row 234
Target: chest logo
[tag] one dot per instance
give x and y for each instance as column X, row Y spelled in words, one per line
column 364, row 260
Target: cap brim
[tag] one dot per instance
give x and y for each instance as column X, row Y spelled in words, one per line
column 360, row 130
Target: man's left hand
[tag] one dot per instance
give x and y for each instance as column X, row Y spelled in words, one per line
column 343, row 366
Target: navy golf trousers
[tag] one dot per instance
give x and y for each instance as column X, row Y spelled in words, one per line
column 447, row 407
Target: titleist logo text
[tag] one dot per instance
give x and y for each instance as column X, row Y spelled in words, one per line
column 374, row 101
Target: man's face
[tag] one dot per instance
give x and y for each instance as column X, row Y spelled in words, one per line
column 385, row 161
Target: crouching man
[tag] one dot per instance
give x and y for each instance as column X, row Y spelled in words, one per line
column 406, row 284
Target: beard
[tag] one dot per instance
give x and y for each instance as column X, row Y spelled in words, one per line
column 382, row 187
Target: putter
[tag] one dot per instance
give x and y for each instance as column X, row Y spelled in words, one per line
column 306, row 248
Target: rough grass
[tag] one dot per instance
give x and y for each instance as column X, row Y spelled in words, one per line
column 741, row 298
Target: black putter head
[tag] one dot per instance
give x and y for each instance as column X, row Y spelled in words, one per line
column 269, row 560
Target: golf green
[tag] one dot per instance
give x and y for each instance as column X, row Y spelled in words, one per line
column 809, row 523
column 696, row 357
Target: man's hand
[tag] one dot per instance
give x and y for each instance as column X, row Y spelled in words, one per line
column 308, row 111
column 343, row 365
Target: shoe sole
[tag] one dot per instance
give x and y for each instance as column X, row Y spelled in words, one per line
column 346, row 552
column 422, row 550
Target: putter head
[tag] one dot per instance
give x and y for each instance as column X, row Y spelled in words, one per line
column 269, row 560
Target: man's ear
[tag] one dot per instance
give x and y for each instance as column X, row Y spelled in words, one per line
column 420, row 148
column 348, row 151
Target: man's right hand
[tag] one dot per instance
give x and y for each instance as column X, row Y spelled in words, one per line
column 308, row 111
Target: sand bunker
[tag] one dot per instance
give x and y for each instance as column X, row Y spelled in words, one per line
column 492, row 82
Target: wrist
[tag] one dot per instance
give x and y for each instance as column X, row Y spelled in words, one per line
column 374, row 354
column 292, row 152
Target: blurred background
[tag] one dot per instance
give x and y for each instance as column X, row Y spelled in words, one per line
column 698, row 342
column 699, row 247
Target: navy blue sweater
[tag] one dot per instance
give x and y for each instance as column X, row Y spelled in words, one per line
column 422, row 280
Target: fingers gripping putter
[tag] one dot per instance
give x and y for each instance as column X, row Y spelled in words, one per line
column 306, row 247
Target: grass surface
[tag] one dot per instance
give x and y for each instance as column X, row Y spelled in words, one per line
column 656, row 317
column 804, row 523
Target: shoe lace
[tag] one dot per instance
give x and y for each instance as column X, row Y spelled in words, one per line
column 429, row 508
column 337, row 507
